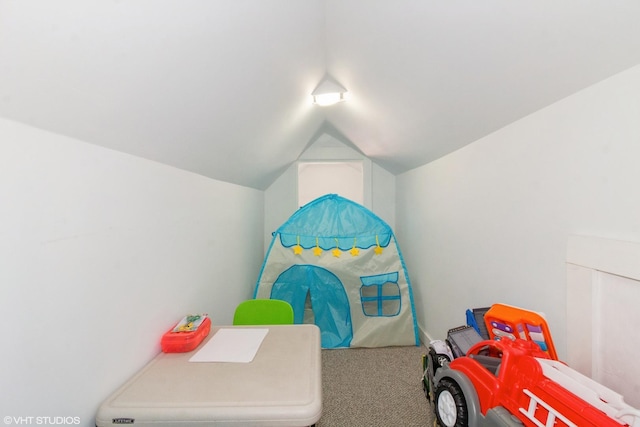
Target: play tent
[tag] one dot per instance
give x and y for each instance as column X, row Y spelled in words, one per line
column 339, row 266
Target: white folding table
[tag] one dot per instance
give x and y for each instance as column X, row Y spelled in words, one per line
column 281, row 386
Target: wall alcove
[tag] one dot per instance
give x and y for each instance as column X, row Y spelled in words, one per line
column 603, row 298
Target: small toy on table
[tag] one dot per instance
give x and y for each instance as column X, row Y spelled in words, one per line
column 186, row 334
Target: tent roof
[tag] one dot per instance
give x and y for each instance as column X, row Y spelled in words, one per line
column 332, row 221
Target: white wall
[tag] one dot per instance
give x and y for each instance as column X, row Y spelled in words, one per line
column 100, row 254
column 383, row 195
column 603, row 290
column 490, row 222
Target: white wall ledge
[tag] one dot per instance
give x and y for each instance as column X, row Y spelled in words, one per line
column 611, row 256
column 603, row 290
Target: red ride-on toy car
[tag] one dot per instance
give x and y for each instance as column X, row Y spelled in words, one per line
column 510, row 383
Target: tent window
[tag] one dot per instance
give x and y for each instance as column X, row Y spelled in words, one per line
column 316, row 179
column 380, row 295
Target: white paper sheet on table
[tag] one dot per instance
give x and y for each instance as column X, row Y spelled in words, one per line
column 231, row 345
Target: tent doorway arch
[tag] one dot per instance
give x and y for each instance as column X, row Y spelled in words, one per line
column 331, row 310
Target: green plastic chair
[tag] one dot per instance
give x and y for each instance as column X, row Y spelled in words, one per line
column 263, row 312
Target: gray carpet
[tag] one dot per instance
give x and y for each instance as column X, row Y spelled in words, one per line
column 374, row 387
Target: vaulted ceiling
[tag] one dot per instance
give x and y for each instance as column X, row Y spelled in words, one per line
column 222, row 87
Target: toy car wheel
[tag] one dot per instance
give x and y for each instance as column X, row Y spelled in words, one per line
column 450, row 404
column 433, row 362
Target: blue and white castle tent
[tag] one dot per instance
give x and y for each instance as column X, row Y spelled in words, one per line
column 339, row 266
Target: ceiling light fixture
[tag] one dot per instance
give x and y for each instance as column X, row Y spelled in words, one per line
column 328, row 92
